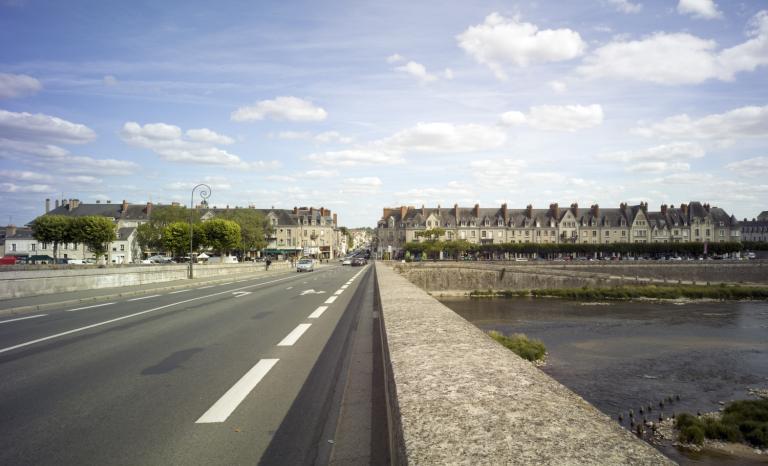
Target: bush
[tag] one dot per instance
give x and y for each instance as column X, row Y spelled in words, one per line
column 745, row 420
column 521, row 345
column 692, row 434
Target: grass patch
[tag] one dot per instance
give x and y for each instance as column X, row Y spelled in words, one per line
column 744, row 421
column 527, row 348
column 721, row 292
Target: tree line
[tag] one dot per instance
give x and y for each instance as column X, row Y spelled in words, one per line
column 458, row 248
column 93, row 232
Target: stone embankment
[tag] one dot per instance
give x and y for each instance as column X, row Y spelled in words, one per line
column 458, row 397
column 19, row 284
column 464, row 277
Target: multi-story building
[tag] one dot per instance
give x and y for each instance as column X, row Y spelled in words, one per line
column 755, row 229
column 626, row 224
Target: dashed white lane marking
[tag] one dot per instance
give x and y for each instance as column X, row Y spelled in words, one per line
column 22, row 318
column 144, row 297
column 338, row 292
column 318, row 312
column 289, row 288
column 89, row 307
column 221, row 410
column 179, row 291
column 331, row 300
column 294, row 336
column 240, row 294
column 228, row 283
column 344, row 287
column 99, row 324
column 205, row 287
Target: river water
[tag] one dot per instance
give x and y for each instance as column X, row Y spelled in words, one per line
column 622, row 356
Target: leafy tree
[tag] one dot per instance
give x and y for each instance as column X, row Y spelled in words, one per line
column 95, row 232
column 253, row 228
column 176, row 238
column 221, row 235
column 53, row 229
column 149, row 237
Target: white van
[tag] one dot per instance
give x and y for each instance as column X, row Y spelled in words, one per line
column 222, row 260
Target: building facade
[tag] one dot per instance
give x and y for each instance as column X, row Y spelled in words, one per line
column 626, row 224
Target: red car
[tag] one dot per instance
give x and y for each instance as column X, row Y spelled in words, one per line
column 8, row 260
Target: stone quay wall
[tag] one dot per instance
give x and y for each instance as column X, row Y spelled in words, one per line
column 462, row 398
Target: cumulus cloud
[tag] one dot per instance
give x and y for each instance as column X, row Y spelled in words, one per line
column 109, row 80
column 706, row 9
column 625, row 6
column 558, row 86
column 10, row 147
column 657, row 167
column 679, row 58
column 738, row 123
column 497, row 173
column 363, row 185
column 280, row 109
column 199, row 146
column 418, row 71
column 326, row 137
column 321, row 173
column 501, row 41
column 757, row 166
column 665, row 152
column 30, row 188
column 23, row 175
column 395, row 58
column 556, row 117
column 39, row 127
column 18, row 85
column 357, row 157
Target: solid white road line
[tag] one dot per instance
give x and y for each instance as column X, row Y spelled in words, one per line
column 88, row 307
column 144, row 297
column 318, row 312
column 294, row 336
column 221, row 410
column 331, row 300
column 99, row 324
column 23, row 318
column 338, row 292
column 180, row 291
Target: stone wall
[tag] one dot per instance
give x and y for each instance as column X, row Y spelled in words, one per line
column 462, row 398
column 18, row 284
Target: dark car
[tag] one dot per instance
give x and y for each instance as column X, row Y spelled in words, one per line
column 357, row 261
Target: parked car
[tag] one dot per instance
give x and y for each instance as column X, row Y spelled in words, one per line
column 76, row 262
column 305, row 265
column 8, row 260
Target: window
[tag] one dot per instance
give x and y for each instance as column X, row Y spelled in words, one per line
column 122, row 247
column 623, row 233
column 13, row 247
column 473, row 233
column 305, row 232
column 696, row 232
column 34, row 246
column 65, row 245
column 706, row 232
column 45, row 246
column 482, row 234
column 594, row 232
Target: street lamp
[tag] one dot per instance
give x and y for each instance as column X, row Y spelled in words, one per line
column 205, row 193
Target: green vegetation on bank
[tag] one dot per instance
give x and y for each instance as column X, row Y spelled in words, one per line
column 521, row 345
column 742, row 421
column 719, row 292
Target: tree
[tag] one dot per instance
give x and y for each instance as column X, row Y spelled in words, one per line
column 253, row 227
column 221, row 235
column 149, row 237
column 95, row 232
column 176, row 238
column 53, row 229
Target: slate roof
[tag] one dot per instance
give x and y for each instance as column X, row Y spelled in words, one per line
column 125, row 233
column 133, row 212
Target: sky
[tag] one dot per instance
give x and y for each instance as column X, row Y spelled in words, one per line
column 359, row 105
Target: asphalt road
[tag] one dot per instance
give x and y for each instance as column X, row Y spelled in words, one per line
column 234, row 373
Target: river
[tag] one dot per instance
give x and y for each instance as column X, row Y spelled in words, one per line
column 625, row 355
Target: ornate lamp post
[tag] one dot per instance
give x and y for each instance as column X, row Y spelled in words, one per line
column 205, row 193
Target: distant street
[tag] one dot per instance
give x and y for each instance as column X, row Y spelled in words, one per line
column 219, row 374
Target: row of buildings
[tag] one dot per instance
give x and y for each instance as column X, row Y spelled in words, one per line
column 301, row 231
column 694, row 221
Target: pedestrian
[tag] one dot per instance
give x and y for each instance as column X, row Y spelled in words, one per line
column 268, row 263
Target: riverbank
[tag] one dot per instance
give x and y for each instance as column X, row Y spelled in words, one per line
column 634, row 292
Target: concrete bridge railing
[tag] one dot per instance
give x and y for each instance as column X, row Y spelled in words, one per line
column 459, row 397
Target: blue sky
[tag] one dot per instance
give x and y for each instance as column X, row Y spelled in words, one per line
column 355, row 105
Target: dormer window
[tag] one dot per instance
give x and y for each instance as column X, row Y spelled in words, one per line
column 500, row 223
column 487, row 223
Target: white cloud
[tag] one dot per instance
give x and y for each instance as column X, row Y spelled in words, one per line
column 206, row 135
column 23, row 175
column 281, row 109
column 665, row 152
column 167, row 142
column 321, row 173
column 625, row 6
column 326, row 137
column 500, row 173
column 364, row 185
column 42, row 128
column 89, row 165
column 657, row 167
column 110, row 80
column 30, row 188
column 395, row 58
column 558, row 86
column 294, row 135
column 356, row 157
column 448, row 74
column 9, row 147
column 679, row 58
column 500, row 41
column 757, row 166
column 740, row 122
column 557, row 117
column 706, row 9
column 18, row 85
column 418, row 71
column 446, row 138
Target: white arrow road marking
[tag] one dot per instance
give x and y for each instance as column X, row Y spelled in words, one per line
column 294, row 336
column 240, row 294
column 311, row 291
column 23, row 318
column 221, row 410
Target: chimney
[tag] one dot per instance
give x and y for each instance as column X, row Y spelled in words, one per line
column 684, row 208
column 311, row 213
column 623, row 205
column 295, row 210
column 57, row 203
column 10, row 230
column 456, row 213
column 69, row 205
column 596, row 211
column 438, row 210
column 335, row 220
column 505, row 213
column 663, row 209
column 575, row 209
column 149, row 209
column 47, row 205
column 529, row 211
column 707, row 207
column 554, row 210
column 476, row 211
column 423, row 210
column 124, row 208
column 109, row 202
column 403, row 211
column 98, row 201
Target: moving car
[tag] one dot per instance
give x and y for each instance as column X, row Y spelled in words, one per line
column 346, row 261
column 305, row 265
column 359, row 261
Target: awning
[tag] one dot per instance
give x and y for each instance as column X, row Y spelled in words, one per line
column 281, row 251
column 203, row 256
column 41, row 257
